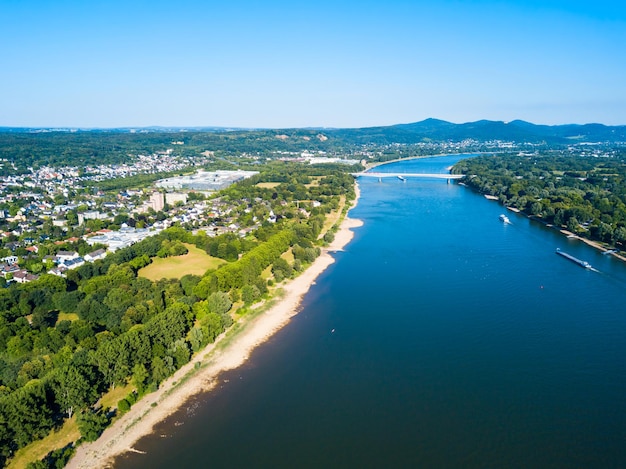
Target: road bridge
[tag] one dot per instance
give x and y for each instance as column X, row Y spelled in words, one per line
column 372, row 174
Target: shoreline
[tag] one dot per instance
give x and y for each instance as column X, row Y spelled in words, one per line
column 568, row 234
column 153, row 408
column 594, row 244
column 375, row 164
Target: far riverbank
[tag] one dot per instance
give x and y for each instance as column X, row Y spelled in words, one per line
column 589, row 242
column 201, row 374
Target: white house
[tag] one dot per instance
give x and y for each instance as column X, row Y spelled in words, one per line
column 95, row 255
column 63, row 256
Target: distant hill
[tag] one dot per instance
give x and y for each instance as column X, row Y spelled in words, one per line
column 426, row 130
column 483, row 130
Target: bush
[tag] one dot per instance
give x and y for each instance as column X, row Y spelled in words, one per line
column 249, row 293
column 92, row 423
column 123, row 406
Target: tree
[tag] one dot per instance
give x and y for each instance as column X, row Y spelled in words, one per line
column 219, row 302
column 140, row 376
column 180, row 352
column 75, row 388
column 188, row 282
column 159, row 370
column 196, row 338
column 211, row 325
column 29, row 413
column 67, row 301
column 249, row 293
column 7, row 441
column 573, row 225
column 92, row 423
column 112, row 358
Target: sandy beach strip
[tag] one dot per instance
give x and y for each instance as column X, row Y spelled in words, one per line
column 172, row 395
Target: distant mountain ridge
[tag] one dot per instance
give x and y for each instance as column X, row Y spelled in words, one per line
column 431, row 129
column 483, row 130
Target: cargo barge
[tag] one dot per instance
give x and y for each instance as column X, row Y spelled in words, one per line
column 575, row 260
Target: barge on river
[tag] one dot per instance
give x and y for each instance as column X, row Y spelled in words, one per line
column 575, row 260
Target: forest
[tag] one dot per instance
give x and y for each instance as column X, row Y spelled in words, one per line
column 65, row 342
column 52, row 147
column 584, row 194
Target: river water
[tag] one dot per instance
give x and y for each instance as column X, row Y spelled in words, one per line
column 440, row 338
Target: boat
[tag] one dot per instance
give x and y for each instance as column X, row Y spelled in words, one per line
column 575, row 260
column 504, row 218
column 402, row 178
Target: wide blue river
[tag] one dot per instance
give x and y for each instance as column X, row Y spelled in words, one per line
column 441, row 338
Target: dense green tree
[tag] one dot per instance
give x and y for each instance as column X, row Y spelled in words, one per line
column 250, row 293
column 113, row 360
column 92, row 423
column 75, row 388
column 218, row 302
column 28, row 412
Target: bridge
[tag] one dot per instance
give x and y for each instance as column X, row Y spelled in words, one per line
column 408, row 175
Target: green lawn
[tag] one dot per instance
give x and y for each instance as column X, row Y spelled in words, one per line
column 196, row 261
column 67, row 317
column 333, row 217
column 67, row 434
column 288, row 256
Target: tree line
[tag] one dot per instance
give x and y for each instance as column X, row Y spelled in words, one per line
column 584, row 194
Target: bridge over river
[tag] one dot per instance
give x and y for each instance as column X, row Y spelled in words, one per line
column 371, row 174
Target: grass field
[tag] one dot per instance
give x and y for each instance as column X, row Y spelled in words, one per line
column 315, row 181
column 267, row 273
column 67, row 317
column 288, row 256
column 67, row 434
column 111, row 398
column 268, row 185
column 333, row 217
column 196, row 262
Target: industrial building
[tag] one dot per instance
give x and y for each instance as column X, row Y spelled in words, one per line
column 205, row 180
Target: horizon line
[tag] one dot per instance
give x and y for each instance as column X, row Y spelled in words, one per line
column 244, row 128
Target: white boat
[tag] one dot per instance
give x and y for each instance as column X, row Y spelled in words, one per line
column 504, row 219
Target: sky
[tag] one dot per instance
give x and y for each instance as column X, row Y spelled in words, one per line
column 283, row 64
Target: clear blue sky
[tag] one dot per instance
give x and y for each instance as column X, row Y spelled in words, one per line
column 238, row 63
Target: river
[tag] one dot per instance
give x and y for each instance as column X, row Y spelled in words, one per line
column 440, row 338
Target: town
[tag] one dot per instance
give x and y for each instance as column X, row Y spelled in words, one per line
column 50, row 210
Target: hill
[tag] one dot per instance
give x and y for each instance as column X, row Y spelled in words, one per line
column 26, row 147
column 483, row 130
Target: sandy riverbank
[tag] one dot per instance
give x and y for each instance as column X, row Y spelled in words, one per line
column 155, row 407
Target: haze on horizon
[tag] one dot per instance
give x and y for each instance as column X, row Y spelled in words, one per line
column 280, row 64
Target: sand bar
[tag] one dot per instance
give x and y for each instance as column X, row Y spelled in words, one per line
column 155, row 407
